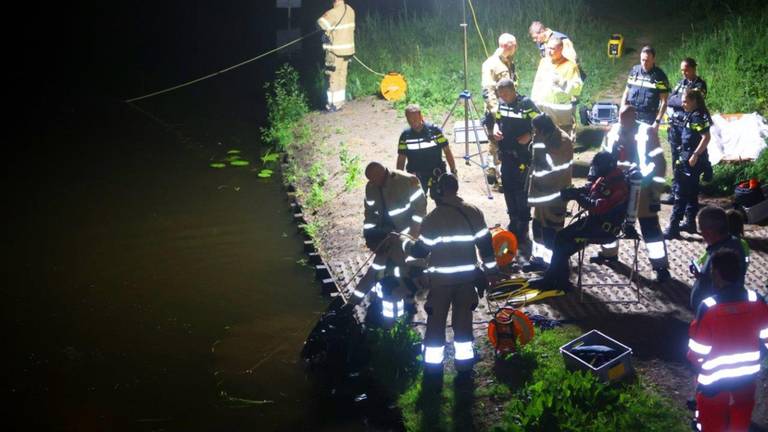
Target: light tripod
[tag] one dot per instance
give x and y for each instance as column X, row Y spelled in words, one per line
column 469, row 108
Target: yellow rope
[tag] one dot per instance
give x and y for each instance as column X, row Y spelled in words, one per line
column 366, row 66
column 477, row 26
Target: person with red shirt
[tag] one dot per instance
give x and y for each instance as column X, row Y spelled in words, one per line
column 727, row 341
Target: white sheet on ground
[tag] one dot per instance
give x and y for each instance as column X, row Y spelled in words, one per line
column 742, row 138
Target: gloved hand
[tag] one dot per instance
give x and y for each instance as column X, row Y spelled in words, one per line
column 569, row 194
column 630, row 231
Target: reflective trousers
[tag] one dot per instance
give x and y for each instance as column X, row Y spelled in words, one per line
column 727, row 411
column 547, row 221
column 462, row 299
column 336, row 71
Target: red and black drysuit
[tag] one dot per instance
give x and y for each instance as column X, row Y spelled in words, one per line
column 605, row 199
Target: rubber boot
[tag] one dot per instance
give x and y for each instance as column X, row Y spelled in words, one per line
column 673, row 230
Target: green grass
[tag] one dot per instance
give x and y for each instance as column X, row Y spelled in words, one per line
column 548, row 398
column 428, row 49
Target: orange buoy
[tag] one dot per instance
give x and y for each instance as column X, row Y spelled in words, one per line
column 504, row 246
column 509, row 327
column 393, row 86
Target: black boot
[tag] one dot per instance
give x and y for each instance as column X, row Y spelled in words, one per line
column 662, row 275
column 673, row 230
column 689, row 226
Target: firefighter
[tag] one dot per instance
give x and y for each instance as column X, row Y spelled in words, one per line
column 551, row 161
column 452, row 235
column 635, row 145
column 605, row 199
column 498, row 66
column 395, row 206
column 688, row 167
column 557, row 86
column 726, row 340
column 338, row 23
column 647, row 89
column 540, row 34
column 714, row 228
column 513, row 132
column 421, row 146
column 675, row 111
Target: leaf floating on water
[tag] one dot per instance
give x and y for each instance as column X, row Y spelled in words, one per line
column 266, row 173
column 218, row 165
column 233, row 151
column 239, row 163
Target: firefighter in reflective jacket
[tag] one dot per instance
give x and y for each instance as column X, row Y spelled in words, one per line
column 557, row 86
column 675, row 111
column 726, row 340
column 395, row 206
column 605, row 199
column 452, row 235
column 647, row 89
column 551, row 161
column 338, row 23
column 635, row 145
column 513, row 132
column 499, row 65
column 688, row 167
column 422, row 145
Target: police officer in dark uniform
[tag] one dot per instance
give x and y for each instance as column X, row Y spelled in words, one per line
column 689, row 165
column 675, row 112
column 605, row 199
column 647, row 89
column 513, row 132
column 421, row 146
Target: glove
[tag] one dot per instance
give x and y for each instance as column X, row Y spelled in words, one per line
column 569, row 194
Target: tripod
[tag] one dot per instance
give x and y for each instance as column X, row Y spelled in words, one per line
column 465, row 97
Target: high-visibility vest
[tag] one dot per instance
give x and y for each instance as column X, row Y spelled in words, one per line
column 339, row 26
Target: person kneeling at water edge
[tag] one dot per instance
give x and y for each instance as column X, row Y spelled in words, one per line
column 605, row 199
column 451, row 236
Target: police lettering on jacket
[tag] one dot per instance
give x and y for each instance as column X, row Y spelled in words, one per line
column 514, row 120
column 730, row 330
column 645, row 88
column 422, row 149
column 675, row 110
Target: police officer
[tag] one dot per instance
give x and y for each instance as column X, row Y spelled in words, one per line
column 605, row 199
column 512, row 130
column 675, row 111
column 689, row 165
column 552, row 158
column 452, row 235
column 726, row 340
column 713, row 224
column 635, row 145
column 395, row 206
column 421, row 146
column 498, row 66
column 557, row 85
column 647, row 89
column 338, row 23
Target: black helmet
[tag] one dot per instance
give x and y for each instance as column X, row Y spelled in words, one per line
column 602, row 164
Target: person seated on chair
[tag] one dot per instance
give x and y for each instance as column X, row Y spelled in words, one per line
column 604, row 198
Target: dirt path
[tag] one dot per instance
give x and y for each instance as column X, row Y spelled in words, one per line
column 656, row 327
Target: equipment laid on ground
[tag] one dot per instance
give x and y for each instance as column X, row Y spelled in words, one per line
column 504, row 246
column 470, row 109
column 509, row 327
column 615, row 46
column 749, row 199
column 597, row 353
column 517, row 292
column 604, row 113
column 393, row 86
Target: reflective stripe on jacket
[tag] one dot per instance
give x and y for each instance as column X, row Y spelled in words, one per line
column 397, row 206
column 338, row 23
column 551, row 162
column 628, row 145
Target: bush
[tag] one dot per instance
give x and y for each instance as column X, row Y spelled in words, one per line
column 727, row 175
column 394, row 360
column 286, row 105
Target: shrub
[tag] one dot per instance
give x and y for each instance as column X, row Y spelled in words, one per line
column 394, row 363
column 286, row 105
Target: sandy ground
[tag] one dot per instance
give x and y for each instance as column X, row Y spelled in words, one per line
column 655, row 327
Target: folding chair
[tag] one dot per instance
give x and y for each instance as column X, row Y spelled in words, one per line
column 632, row 280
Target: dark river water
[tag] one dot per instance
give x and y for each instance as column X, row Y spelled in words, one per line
column 145, row 290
